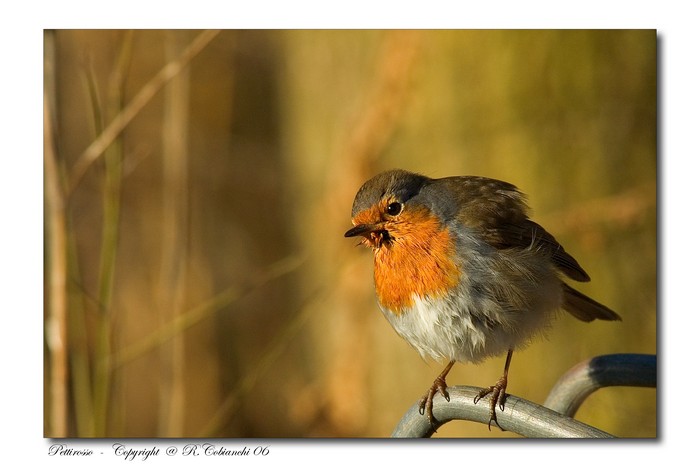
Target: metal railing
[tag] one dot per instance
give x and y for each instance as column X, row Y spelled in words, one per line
column 551, row 420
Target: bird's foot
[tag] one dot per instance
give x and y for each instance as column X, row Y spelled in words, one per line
column 426, row 403
column 498, row 396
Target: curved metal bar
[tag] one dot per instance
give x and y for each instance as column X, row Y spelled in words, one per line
column 520, row 416
column 553, row 420
column 579, row 382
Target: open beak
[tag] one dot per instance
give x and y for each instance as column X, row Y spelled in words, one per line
column 364, row 229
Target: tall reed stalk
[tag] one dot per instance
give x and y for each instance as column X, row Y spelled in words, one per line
column 174, row 234
column 56, row 327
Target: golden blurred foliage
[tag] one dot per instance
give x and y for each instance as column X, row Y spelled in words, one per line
column 198, row 185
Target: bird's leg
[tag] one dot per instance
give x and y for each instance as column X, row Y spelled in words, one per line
column 426, row 403
column 498, row 393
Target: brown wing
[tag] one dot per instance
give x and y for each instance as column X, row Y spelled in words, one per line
column 530, row 233
column 499, row 210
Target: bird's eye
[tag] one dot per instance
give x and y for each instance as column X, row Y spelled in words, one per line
column 393, row 209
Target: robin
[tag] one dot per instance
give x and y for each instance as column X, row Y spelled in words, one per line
column 462, row 273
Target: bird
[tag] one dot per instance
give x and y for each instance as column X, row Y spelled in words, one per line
column 462, row 273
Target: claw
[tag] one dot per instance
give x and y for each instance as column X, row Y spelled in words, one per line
column 498, row 397
column 443, row 390
column 425, row 406
column 498, row 394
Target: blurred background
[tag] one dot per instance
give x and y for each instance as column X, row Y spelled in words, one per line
column 198, row 185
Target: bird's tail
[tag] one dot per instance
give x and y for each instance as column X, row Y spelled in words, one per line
column 585, row 308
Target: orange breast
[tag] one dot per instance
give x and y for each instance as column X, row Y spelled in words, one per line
column 419, row 261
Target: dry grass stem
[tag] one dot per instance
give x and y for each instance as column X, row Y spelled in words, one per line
column 56, row 327
column 144, row 96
